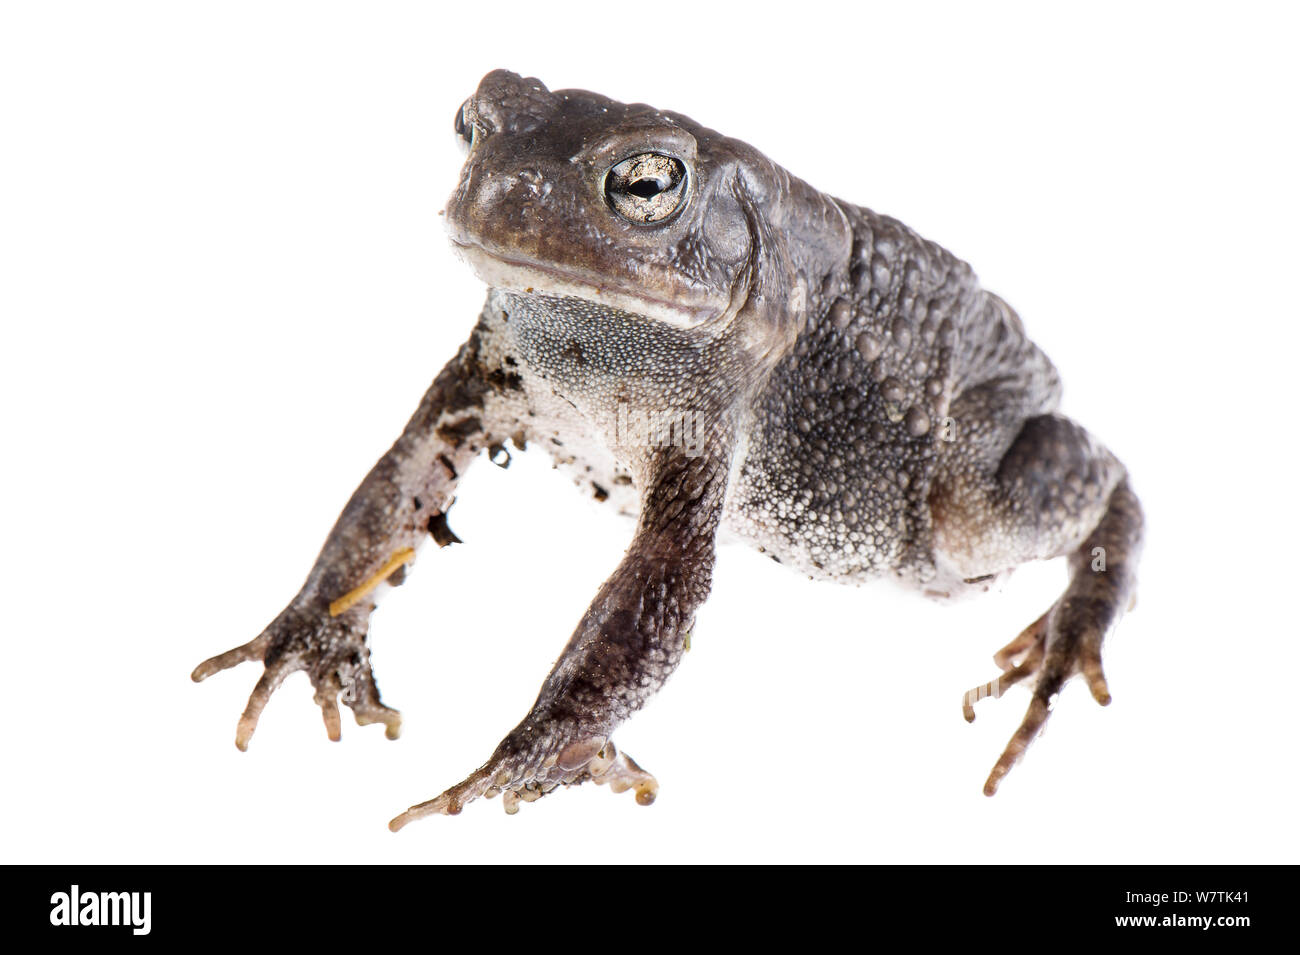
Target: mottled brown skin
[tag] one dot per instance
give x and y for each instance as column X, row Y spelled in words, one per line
column 858, row 407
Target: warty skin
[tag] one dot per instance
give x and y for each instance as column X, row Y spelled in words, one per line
column 810, row 377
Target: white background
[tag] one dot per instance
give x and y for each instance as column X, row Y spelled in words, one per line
column 224, row 286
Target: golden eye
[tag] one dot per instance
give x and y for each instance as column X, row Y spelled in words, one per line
column 468, row 127
column 646, row 188
column 463, row 129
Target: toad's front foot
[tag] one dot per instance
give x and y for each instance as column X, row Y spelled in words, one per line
column 330, row 649
column 521, row 774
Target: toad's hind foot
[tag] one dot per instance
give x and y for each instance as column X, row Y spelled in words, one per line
column 1066, row 641
column 1020, row 658
column 597, row 760
column 1062, row 642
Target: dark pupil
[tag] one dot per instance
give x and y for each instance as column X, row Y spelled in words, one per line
column 461, row 129
column 646, row 188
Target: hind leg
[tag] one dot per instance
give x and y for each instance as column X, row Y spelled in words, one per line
column 1055, row 491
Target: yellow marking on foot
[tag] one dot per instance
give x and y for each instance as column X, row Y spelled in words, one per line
column 357, row 594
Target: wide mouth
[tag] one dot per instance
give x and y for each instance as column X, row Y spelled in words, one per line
column 517, row 274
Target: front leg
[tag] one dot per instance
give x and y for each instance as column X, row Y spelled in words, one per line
column 404, row 498
column 630, row 639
